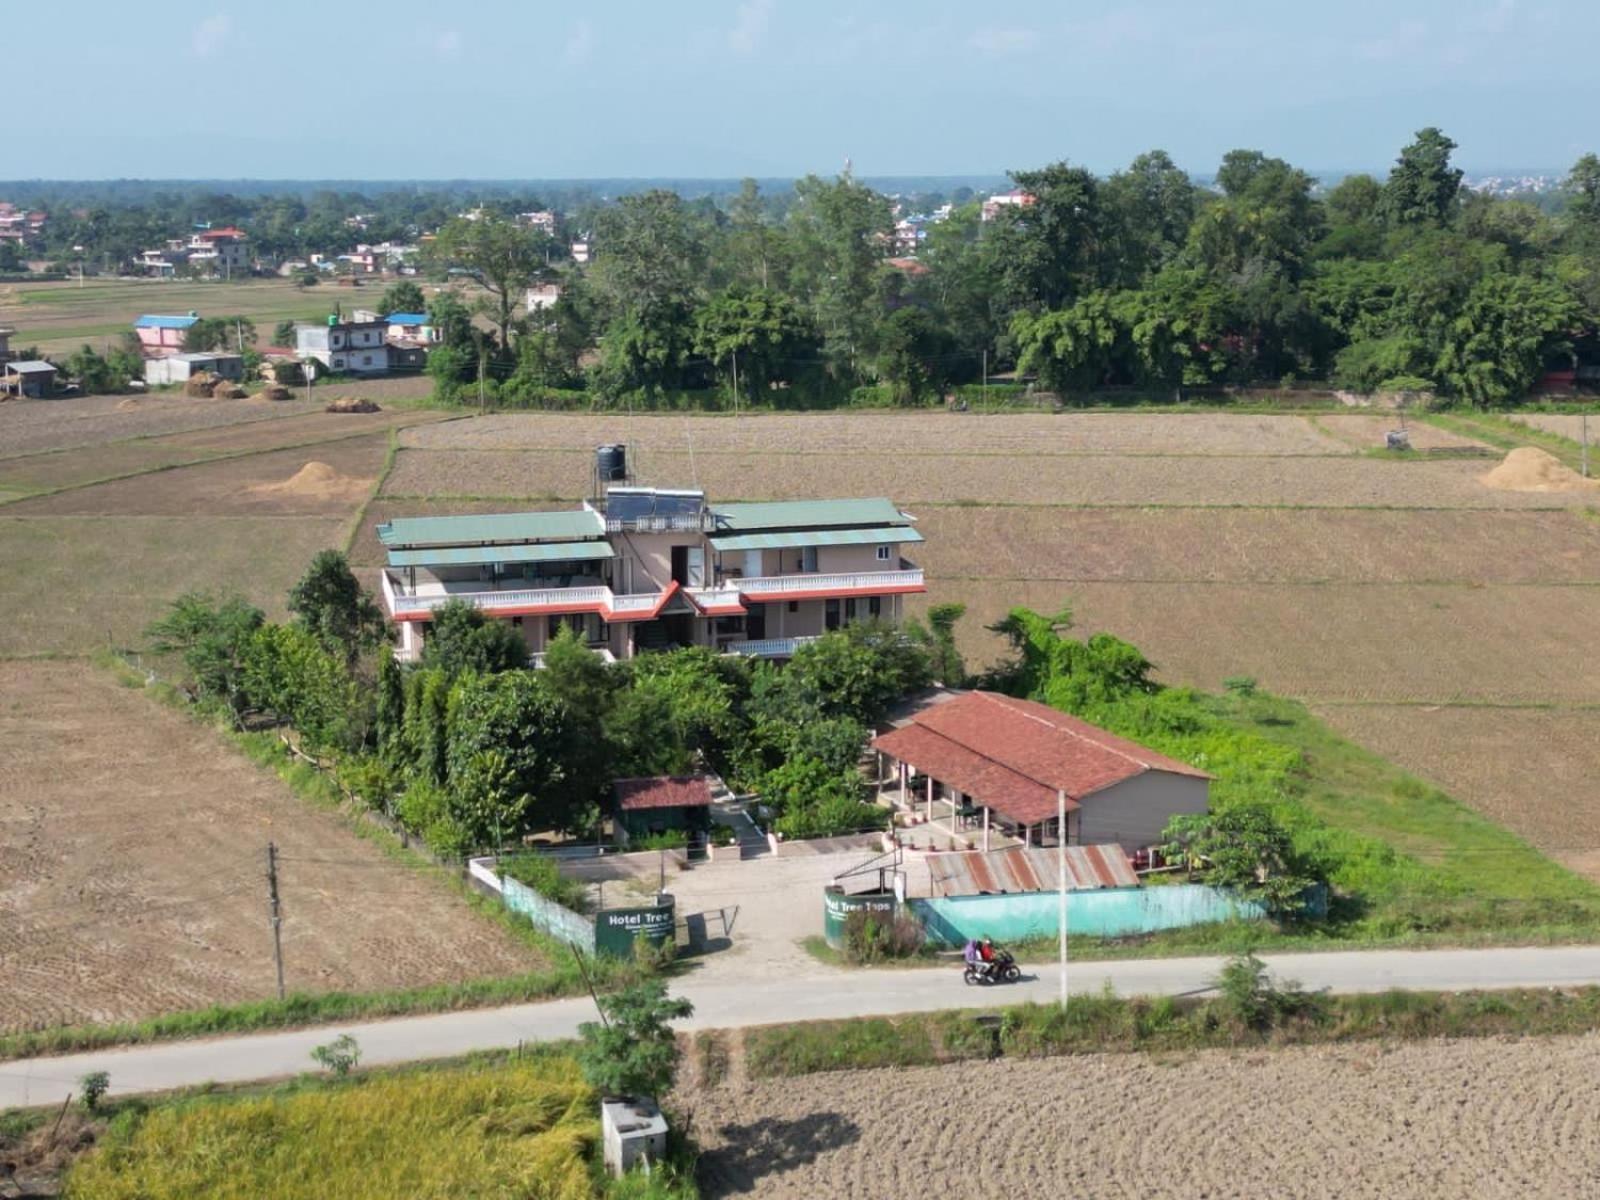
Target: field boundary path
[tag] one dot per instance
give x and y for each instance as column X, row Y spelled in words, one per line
column 821, row 994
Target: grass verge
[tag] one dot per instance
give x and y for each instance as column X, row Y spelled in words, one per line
column 1102, row 1024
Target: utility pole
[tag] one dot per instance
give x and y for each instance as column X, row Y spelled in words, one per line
column 735, row 381
column 1586, row 443
column 277, row 912
column 986, row 377
column 1061, row 882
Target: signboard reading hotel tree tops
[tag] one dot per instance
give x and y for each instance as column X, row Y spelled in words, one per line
column 616, row 929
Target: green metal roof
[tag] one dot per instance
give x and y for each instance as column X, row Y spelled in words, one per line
column 490, row 528
column 801, row 514
column 466, row 556
column 816, row 537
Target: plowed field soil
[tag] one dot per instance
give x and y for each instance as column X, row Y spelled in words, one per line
column 1496, row 1119
column 132, row 858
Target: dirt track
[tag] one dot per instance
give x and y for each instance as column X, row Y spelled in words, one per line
column 1482, row 1118
column 132, row 883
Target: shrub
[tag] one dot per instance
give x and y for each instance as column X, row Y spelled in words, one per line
column 667, row 839
column 632, row 1051
column 1247, row 999
column 339, row 1056
column 870, row 938
column 94, row 1086
column 543, row 875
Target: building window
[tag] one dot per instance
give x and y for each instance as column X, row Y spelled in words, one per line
column 366, row 360
column 883, row 553
column 850, row 609
column 794, row 606
column 875, row 606
column 830, row 614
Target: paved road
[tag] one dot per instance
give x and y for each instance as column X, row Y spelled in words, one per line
column 724, row 1003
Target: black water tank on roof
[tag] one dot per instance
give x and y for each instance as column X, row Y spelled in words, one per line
column 611, row 463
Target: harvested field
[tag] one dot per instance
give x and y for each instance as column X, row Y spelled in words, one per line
column 225, row 488
column 1531, row 769
column 1503, row 644
column 73, row 468
column 1099, row 480
column 1030, row 434
column 35, row 426
column 1567, row 425
column 1256, row 545
column 131, row 858
column 79, row 584
column 1498, row 1119
column 1365, row 431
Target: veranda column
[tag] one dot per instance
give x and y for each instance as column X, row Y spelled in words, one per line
column 986, row 829
column 930, row 799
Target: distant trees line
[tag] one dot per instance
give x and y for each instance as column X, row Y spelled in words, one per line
column 1139, row 280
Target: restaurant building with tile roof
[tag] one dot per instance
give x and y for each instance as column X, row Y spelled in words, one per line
column 1013, row 765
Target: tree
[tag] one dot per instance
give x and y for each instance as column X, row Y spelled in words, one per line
column 1076, row 347
column 841, row 236
column 283, row 333
column 212, row 638
column 103, row 374
column 1507, row 330
column 11, row 258
column 330, row 604
column 1149, row 208
column 460, row 638
column 402, row 297
column 1052, row 249
column 220, row 333
column 502, row 256
column 632, row 1051
column 944, row 659
column 762, row 333
column 1423, row 188
column 1242, row 847
column 649, row 265
column 509, row 759
column 1582, row 191
column 914, row 356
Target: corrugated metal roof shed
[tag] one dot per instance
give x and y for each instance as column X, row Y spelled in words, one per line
column 492, row 528
column 815, row 537
column 803, row 514
column 30, row 367
column 1029, row 869
column 466, row 556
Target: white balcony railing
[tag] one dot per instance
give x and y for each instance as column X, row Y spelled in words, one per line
column 725, row 596
column 536, row 661
column 574, row 599
column 859, row 581
column 768, row 647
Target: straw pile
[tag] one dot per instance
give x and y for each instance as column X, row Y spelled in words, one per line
column 1529, row 469
column 352, row 404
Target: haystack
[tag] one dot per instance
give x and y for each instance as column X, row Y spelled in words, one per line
column 226, row 390
column 352, row 404
column 200, row 384
column 317, row 481
column 1529, row 469
column 274, row 391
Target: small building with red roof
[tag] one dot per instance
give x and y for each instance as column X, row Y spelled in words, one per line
column 663, row 804
column 1016, row 764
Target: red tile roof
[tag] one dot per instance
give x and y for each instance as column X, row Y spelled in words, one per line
column 663, row 791
column 1014, row 755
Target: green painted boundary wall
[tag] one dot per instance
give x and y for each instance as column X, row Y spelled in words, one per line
column 549, row 916
column 1109, row 912
column 837, row 907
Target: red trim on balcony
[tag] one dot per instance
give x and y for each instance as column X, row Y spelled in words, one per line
column 530, row 610
column 830, row 593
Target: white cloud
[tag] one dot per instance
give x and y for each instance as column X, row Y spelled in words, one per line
column 580, row 44
column 210, row 35
column 448, row 43
column 750, row 26
column 1004, row 41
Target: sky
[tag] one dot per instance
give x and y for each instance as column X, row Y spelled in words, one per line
column 532, row 89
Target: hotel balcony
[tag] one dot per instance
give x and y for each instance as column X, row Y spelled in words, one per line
column 514, row 599
column 733, row 591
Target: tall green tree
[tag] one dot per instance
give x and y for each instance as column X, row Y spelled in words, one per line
column 1423, row 188
column 501, row 256
column 1149, row 208
column 841, row 232
column 762, row 334
column 1053, row 249
column 330, row 604
column 403, row 297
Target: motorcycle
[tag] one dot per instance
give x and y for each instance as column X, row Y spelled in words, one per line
column 1001, row 969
